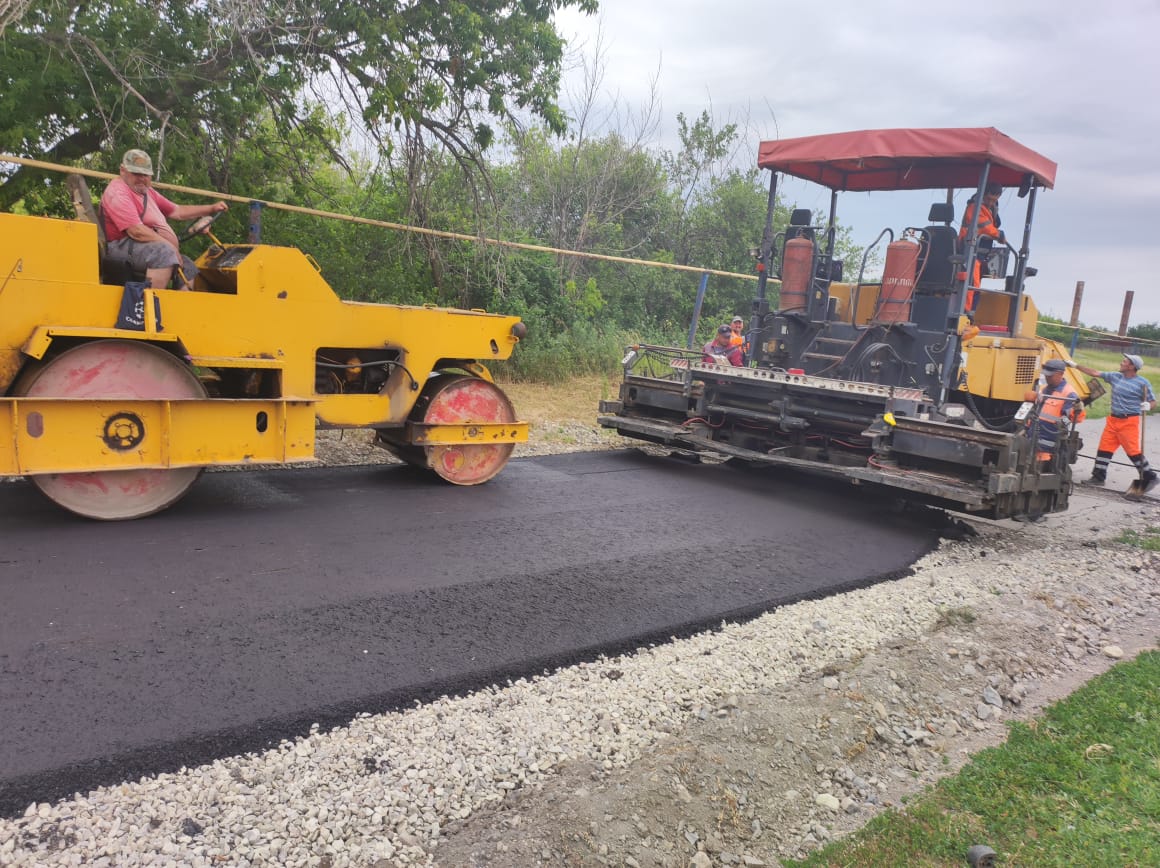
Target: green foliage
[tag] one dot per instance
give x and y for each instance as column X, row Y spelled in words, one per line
column 596, row 194
column 587, row 300
column 265, row 102
column 76, row 79
column 554, row 358
column 720, row 230
column 1054, row 329
column 1148, row 331
column 702, row 148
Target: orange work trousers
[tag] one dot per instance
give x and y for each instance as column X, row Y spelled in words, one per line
column 972, row 293
column 1121, row 432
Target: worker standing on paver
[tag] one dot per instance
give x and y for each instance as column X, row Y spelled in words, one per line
column 737, row 339
column 721, row 350
column 1132, row 396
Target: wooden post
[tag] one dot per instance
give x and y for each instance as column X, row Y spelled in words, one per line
column 1076, row 303
column 1127, row 312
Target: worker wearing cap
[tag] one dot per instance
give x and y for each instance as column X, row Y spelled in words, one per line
column 737, row 326
column 1057, row 400
column 721, row 350
column 136, row 227
column 1131, row 396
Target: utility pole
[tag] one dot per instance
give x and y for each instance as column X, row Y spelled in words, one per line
column 1127, row 311
column 1076, row 303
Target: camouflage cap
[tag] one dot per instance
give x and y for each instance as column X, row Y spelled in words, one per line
column 137, row 162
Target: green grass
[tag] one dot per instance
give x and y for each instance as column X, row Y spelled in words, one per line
column 1078, row 786
column 1100, row 360
column 1147, row 539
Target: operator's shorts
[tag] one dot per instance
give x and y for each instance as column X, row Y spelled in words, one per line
column 1121, row 432
column 143, row 255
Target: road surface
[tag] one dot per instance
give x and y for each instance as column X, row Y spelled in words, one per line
column 269, row 600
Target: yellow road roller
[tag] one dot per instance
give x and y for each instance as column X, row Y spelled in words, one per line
column 117, row 423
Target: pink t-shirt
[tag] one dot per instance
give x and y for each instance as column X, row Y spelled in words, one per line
column 124, row 209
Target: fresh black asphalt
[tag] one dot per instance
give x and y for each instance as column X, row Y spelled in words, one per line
column 269, row 600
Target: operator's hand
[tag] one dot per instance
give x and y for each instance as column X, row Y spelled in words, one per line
column 219, row 206
column 1002, row 237
column 1146, row 406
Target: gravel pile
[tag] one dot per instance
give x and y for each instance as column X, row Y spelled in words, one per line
column 387, row 789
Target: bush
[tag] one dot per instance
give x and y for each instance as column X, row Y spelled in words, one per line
column 554, row 358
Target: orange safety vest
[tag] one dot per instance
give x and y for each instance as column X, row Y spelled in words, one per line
column 987, row 228
column 987, row 225
column 1052, row 407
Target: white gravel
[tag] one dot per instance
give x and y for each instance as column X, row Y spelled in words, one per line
column 379, row 791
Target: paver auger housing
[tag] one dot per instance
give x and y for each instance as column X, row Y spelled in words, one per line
column 918, row 381
column 117, row 423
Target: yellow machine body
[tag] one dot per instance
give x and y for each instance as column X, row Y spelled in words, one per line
column 998, row 364
column 264, row 321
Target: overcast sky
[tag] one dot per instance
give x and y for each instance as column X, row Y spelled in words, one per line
column 1077, row 82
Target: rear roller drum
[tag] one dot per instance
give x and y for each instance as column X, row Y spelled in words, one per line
column 113, row 369
column 454, row 400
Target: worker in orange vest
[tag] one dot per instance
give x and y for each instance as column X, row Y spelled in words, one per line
column 738, row 337
column 988, row 223
column 1057, row 401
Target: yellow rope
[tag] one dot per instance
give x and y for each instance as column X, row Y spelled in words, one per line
column 401, row 227
column 1097, row 333
column 418, row 230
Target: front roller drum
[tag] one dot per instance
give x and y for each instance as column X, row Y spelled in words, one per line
column 453, row 399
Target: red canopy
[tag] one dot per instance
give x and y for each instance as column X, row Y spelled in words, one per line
column 906, row 159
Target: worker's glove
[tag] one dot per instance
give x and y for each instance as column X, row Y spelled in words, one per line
column 1069, row 363
column 1002, row 237
column 1146, row 406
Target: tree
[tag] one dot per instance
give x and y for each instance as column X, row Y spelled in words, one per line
column 606, row 195
column 11, row 11
column 77, row 77
column 702, row 150
column 1149, row 331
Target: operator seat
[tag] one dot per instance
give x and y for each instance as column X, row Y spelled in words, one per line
column 940, row 242
column 799, row 224
column 933, row 288
column 113, row 270
column 799, row 227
